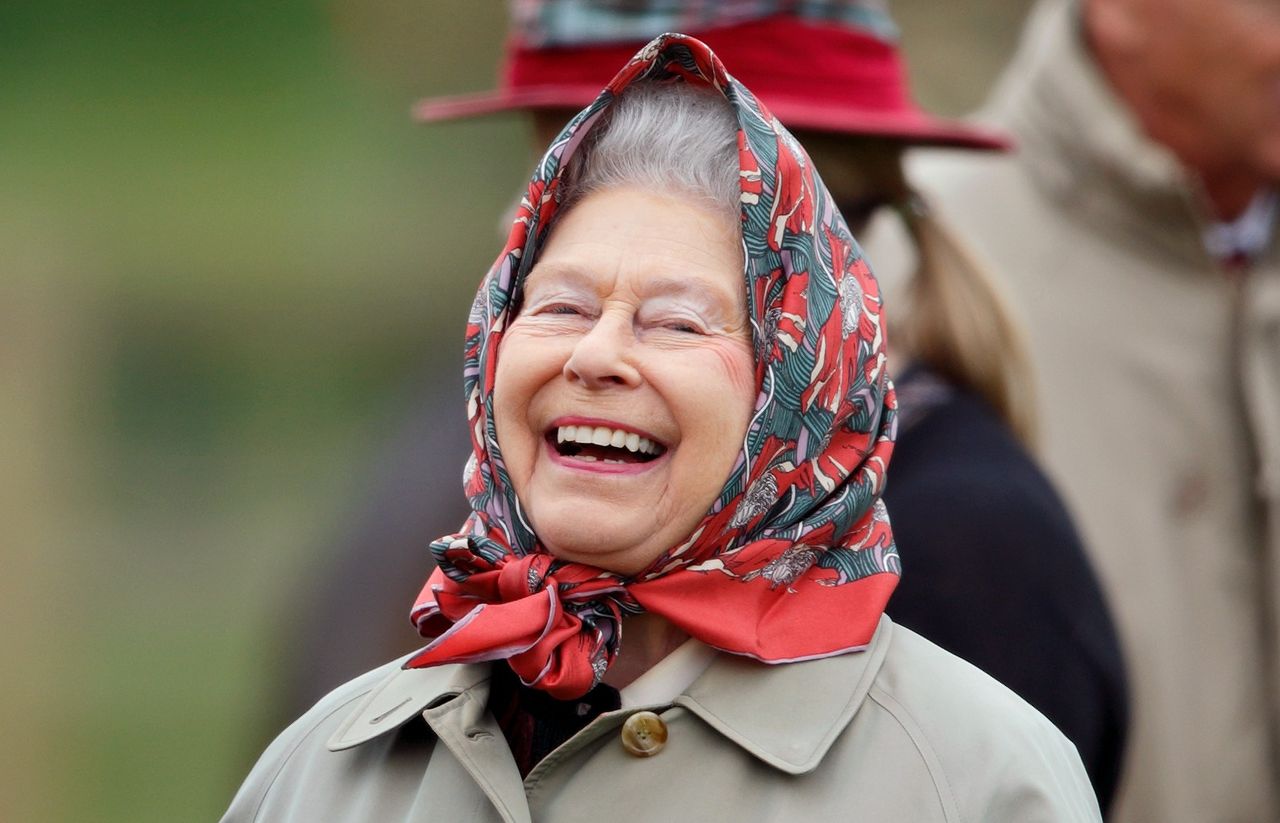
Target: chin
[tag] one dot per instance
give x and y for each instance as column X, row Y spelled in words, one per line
column 603, row 548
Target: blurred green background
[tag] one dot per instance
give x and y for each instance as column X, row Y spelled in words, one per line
column 227, row 257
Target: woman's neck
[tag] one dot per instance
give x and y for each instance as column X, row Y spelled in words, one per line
column 646, row 639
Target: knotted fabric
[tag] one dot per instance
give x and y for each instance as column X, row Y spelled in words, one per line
column 795, row 560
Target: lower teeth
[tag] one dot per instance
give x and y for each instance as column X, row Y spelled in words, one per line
column 593, row 459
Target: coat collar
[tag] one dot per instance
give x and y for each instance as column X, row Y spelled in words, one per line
column 785, row 715
column 405, row 694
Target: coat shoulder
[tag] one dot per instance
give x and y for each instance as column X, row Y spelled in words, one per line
column 308, row 732
column 991, row 756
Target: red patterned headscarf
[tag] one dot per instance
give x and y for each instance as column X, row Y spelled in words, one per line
column 795, row 560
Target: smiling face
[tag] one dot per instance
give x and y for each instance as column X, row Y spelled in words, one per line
column 625, row 384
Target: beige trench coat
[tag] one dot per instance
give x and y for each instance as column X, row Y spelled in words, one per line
column 902, row 732
column 1159, row 379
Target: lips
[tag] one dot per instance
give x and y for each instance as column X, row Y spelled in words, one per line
column 597, row 442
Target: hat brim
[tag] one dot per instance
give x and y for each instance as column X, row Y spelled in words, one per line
column 914, row 127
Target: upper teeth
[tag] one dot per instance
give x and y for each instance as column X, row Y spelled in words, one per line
column 605, row 436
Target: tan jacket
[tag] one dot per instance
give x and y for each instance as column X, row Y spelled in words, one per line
column 1159, row 378
column 902, row 732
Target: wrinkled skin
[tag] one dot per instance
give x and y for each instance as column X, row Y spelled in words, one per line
column 634, row 315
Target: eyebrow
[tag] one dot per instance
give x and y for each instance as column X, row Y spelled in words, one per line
column 542, row 271
column 661, row 285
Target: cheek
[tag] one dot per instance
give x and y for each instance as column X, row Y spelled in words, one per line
column 507, row 402
column 716, row 397
column 516, row 380
column 739, row 373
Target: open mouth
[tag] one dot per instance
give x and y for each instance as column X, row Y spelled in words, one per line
column 602, row 444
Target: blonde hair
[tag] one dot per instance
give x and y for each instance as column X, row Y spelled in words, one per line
column 958, row 323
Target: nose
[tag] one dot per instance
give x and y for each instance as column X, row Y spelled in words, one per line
column 603, row 357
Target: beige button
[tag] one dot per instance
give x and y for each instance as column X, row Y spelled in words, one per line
column 644, row 734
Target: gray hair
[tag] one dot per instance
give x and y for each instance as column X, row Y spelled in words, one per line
column 670, row 138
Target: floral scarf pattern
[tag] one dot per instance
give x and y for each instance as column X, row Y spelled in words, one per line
column 796, row 558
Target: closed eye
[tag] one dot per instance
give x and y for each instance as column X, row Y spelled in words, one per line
column 560, row 308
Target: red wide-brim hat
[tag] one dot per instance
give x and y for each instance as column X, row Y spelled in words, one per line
column 811, row 74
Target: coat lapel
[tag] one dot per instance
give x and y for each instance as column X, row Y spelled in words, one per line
column 404, row 695
column 452, row 699
column 787, row 715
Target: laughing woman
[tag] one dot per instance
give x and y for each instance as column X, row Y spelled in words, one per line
column 668, row 601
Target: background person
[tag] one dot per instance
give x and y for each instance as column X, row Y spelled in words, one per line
column 676, row 521
column 996, row 572
column 1135, row 229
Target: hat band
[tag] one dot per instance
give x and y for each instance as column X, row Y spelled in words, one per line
column 779, row 58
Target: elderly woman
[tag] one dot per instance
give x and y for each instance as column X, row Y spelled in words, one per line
column 668, row 601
